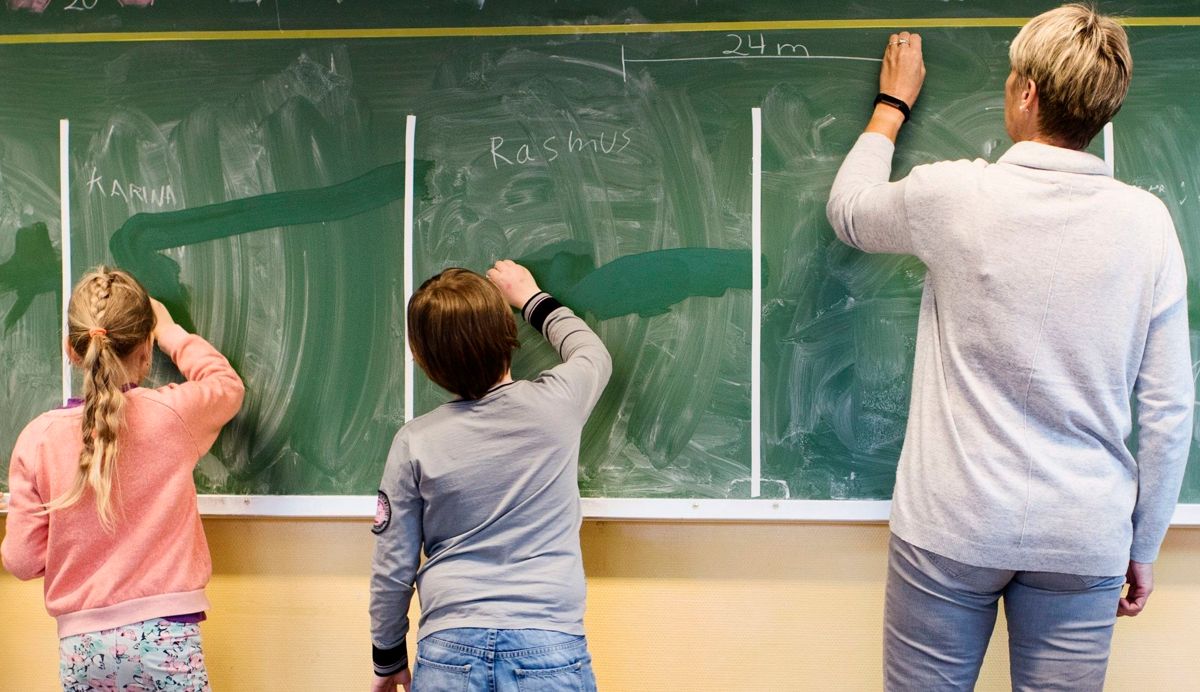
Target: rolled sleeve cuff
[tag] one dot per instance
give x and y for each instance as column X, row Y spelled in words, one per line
column 389, row 661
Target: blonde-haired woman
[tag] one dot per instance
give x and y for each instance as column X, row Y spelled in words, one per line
column 102, row 501
column 1053, row 294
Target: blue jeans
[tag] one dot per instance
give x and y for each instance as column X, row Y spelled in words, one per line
column 939, row 615
column 471, row 659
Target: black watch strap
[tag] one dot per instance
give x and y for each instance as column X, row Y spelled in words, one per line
column 894, row 103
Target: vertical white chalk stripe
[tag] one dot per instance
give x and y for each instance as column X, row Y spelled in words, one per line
column 756, row 306
column 410, row 138
column 64, row 197
column 1110, row 149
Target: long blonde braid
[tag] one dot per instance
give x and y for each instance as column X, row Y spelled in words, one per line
column 108, row 318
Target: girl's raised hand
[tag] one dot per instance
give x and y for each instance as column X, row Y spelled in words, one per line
column 162, row 318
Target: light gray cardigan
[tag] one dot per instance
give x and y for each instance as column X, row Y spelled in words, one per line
column 1053, row 294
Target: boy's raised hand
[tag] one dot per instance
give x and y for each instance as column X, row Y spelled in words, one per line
column 515, row 282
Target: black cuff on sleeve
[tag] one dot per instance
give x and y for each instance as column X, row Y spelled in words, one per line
column 532, row 298
column 541, row 310
column 390, row 661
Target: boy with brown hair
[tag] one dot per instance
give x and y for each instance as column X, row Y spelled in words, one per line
column 487, row 484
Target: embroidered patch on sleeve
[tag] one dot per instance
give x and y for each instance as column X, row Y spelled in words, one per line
column 383, row 513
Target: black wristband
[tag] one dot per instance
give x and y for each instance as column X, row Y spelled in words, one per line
column 894, row 102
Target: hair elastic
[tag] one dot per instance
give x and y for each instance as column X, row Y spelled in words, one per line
column 98, row 331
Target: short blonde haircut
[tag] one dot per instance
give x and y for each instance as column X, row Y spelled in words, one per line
column 1080, row 62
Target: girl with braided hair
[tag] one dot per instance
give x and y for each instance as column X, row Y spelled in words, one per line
column 102, row 500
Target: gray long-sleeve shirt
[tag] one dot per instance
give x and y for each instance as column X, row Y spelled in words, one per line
column 489, row 488
column 1053, row 294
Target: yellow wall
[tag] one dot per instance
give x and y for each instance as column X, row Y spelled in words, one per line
column 677, row 607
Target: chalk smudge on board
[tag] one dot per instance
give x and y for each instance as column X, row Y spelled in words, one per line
column 673, row 419
column 272, row 299
column 29, row 299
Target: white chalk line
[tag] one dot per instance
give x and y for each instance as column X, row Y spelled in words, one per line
column 410, row 138
column 64, row 198
column 756, row 305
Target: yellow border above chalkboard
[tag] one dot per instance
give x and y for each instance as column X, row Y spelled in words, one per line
column 551, row 30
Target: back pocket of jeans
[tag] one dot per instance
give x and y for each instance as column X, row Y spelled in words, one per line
column 431, row 676
column 564, row 679
column 949, row 566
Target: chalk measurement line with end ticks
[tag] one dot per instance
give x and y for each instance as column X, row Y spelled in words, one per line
column 704, row 58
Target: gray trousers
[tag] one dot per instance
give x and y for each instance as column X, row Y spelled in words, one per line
column 940, row 613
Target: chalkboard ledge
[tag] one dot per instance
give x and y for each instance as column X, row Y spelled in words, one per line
column 601, row 509
column 625, row 509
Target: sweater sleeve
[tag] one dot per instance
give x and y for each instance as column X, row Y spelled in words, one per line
column 213, row 392
column 866, row 211
column 586, row 366
column 1165, row 392
column 398, row 538
column 26, row 531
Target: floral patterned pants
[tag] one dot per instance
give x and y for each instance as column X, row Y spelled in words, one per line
column 152, row 656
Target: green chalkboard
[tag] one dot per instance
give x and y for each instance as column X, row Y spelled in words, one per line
column 255, row 181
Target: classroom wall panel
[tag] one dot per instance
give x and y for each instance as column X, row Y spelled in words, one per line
column 672, row 607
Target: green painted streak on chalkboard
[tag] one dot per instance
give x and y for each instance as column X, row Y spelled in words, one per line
column 136, row 245
column 649, row 283
column 32, row 269
column 644, row 284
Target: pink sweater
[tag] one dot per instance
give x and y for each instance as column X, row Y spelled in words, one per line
column 156, row 562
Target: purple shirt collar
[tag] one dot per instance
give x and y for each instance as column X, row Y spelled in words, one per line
column 77, row 401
